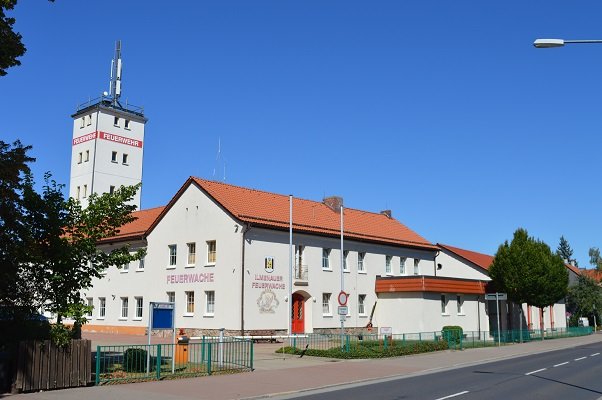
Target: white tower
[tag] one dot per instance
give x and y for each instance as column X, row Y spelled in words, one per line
column 108, row 142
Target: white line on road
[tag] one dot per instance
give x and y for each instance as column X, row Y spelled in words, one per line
column 580, row 358
column 595, row 354
column 536, row 371
column 452, row 395
column 564, row 363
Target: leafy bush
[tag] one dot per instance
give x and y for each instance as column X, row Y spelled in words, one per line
column 134, row 360
column 452, row 333
column 371, row 349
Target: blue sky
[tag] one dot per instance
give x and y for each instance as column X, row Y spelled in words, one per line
column 442, row 111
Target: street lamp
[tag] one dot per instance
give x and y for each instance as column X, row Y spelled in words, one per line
column 548, row 43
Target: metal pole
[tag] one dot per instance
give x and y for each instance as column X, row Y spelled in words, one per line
column 499, row 334
column 150, row 324
column 290, row 270
column 342, row 318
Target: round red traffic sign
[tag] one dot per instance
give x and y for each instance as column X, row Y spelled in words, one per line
column 343, row 298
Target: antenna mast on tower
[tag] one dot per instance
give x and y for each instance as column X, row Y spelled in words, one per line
column 115, row 84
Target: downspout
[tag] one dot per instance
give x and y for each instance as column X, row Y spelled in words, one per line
column 245, row 228
column 435, row 263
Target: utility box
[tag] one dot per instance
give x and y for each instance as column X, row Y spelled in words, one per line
column 181, row 356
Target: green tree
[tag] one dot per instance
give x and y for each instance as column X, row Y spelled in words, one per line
column 57, row 247
column 528, row 271
column 565, row 252
column 594, row 258
column 584, row 299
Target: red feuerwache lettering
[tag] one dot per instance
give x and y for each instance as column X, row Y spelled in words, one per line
column 120, row 139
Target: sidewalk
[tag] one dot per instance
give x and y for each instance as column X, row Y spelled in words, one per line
column 277, row 375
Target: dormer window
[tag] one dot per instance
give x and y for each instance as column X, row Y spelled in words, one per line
column 116, row 121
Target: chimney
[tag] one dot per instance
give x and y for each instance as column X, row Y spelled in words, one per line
column 387, row 213
column 334, row 203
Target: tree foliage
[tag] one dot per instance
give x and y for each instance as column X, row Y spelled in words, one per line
column 594, row 258
column 528, row 271
column 584, row 299
column 11, row 46
column 565, row 252
column 48, row 244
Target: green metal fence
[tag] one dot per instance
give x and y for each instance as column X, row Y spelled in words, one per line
column 129, row 363
column 455, row 340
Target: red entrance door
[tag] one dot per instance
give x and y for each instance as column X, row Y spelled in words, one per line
column 297, row 311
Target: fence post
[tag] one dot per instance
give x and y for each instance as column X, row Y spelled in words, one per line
column 158, row 361
column 209, row 358
column 347, row 343
column 385, row 341
column 252, row 356
column 97, row 378
column 203, row 350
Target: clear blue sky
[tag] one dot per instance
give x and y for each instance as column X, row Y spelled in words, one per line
column 442, row 111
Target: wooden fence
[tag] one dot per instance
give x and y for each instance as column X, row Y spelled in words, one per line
column 40, row 365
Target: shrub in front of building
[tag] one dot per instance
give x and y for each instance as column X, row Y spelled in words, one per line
column 134, row 360
column 452, row 333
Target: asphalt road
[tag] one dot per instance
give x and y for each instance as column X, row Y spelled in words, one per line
column 572, row 374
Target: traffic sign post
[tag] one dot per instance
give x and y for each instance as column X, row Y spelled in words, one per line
column 497, row 297
column 342, row 298
column 161, row 316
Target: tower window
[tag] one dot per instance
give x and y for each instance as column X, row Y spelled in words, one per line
column 85, row 191
column 116, row 121
column 87, row 158
column 125, row 159
column 111, row 189
column 83, row 123
column 89, row 120
column 79, row 158
column 78, row 190
column 127, row 124
column 114, row 156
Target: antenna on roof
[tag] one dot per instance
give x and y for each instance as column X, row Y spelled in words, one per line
column 115, row 84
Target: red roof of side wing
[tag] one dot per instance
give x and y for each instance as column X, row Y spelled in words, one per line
column 482, row 260
column 138, row 227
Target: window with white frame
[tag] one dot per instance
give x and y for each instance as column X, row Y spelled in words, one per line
column 89, row 120
column 460, row 304
column 173, row 254
column 85, row 191
column 139, row 304
column 443, row 304
column 326, row 304
column 191, row 253
column 125, row 267
column 141, row 264
column 83, row 123
column 345, row 265
column 361, row 304
column 171, row 297
column 87, row 157
column 402, row 265
column 416, row 268
column 124, row 159
column 211, row 252
column 360, row 262
column 90, row 304
column 78, row 190
column 325, row 258
column 111, row 189
column 124, row 307
column 210, row 302
column 127, row 124
column 102, row 307
column 114, row 156
column 189, row 302
column 116, row 121
column 388, row 264
column 80, row 157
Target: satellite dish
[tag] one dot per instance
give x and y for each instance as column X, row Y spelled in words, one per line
column 105, row 93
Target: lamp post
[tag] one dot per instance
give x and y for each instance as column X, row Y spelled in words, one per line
column 549, row 43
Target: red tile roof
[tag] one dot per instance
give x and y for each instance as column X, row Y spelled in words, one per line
column 435, row 284
column 592, row 273
column 272, row 210
column 138, row 227
column 482, row 260
column 573, row 268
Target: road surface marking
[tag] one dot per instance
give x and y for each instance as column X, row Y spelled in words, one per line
column 580, row 358
column 536, row 371
column 452, row 395
column 595, row 354
column 564, row 363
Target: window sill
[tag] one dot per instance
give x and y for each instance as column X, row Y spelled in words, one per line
column 461, row 315
column 346, row 271
column 208, row 315
column 327, row 315
column 210, row 265
column 327, row 269
column 444, row 314
column 362, row 272
column 114, row 162
column 126, row 164
column 122, row 319
column 188, row 315
column 137, row 319
column 170, row 267
column 362, row 315
column 101, row 318
column 140, row 270
column 190, row 266
column 124, row 271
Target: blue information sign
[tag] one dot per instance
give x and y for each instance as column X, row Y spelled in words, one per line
column 162, row 316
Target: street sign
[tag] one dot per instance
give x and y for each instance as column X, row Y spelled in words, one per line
column 496, row 296
column 343, row 310
column 342, row 298
column 161, row 316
